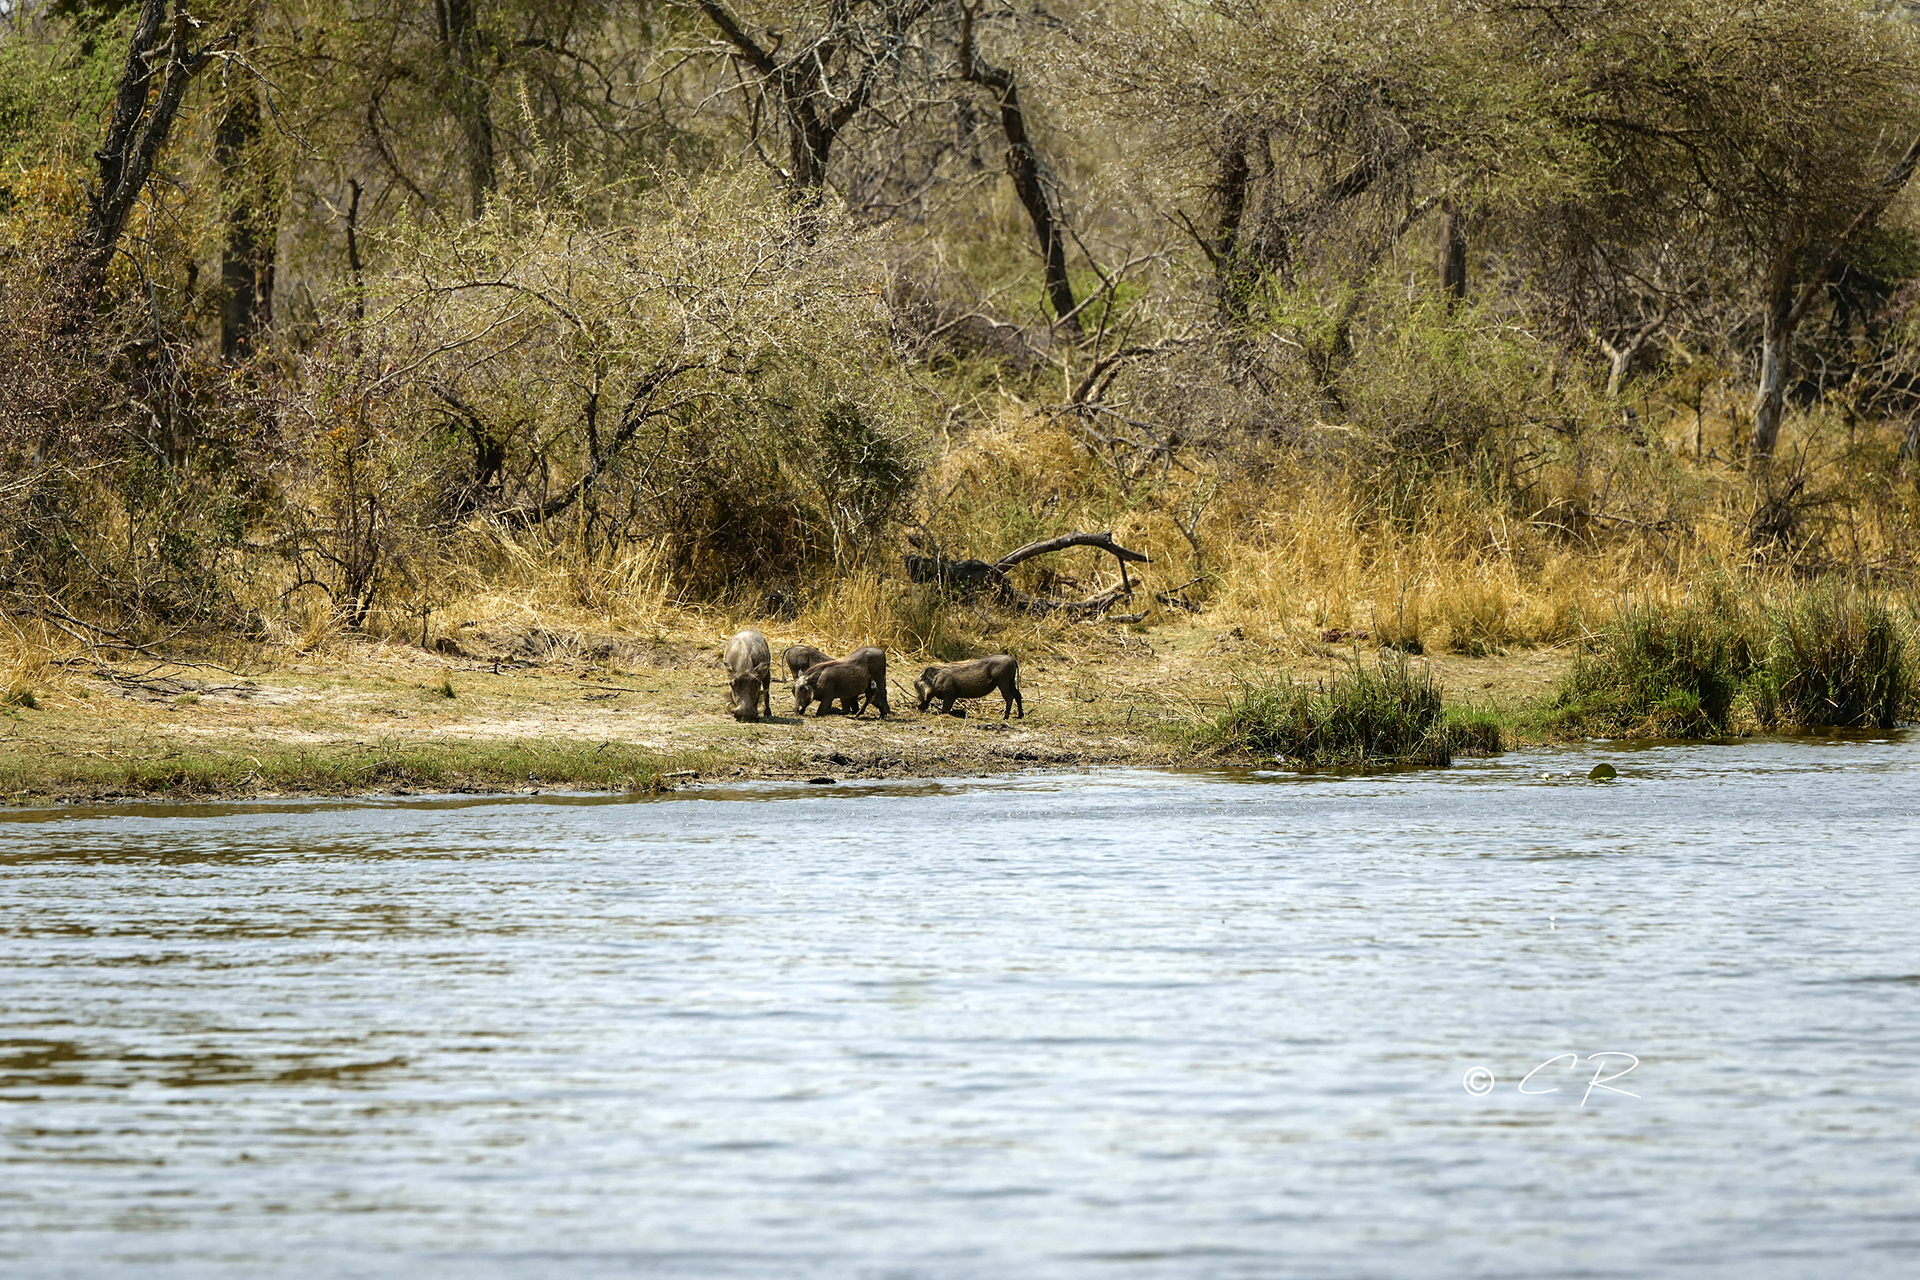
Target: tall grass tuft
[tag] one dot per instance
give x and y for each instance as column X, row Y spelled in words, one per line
column 1476, row 733
column 910, row 618
column 24, row 673
column 1669, row 674
column 1834, row 657
column 1368, row 717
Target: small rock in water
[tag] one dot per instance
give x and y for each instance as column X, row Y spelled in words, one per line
column 821, row 782
column 1603, row 773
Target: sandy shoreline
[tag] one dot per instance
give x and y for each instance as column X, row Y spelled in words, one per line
column 532, row 710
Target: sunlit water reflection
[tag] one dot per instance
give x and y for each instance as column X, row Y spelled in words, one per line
column 1120, row 1024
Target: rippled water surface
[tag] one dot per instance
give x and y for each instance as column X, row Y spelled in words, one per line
column 1119, row 1024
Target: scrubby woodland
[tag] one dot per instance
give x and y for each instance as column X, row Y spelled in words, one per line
column 1442, row 322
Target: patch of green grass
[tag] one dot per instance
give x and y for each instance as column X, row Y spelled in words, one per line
column 1835, row 657
column 1476, row 732
column 1826, row 655
column 1383, row 716
column 346, row 770
column 21, row 696
column 1661, row 674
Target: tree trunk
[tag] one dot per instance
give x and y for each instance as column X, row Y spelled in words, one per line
column 1453, row 256
column 1023, row 165
column 247, row 258
column 136, row 132
column 1784, row 310
column 1776, row 346
column 472, row 98
column 1230, row 195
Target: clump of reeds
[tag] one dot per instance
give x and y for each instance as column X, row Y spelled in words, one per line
column 1383, row 716
column 1476, row 733
column 1815, row 657
column 1835, row 657
column 1662, row 673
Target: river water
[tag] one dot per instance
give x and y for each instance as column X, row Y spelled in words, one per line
column 1117, row 1024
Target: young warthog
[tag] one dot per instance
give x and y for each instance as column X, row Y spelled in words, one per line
column 972, row 679
column 750, row 664
column 876, row 660
column 799, row 657
column 844, row 682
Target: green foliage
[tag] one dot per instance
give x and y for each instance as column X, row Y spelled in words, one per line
column 1835, row 657
column 1476, row 733
column 1388, row 716
column 53, row 88
column 1662, row 674
column 1826, row 656
column 713, row 381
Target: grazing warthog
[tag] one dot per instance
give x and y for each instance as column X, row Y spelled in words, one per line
column 845, row 682
column 975, row 678
column 798, row 658
column 876, row 660
column 750, row 664
column 801, row 656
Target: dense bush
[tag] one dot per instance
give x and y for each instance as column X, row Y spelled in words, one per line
column 712, row 382
column 1822, row 656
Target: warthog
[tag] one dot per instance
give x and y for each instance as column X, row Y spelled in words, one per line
column 975, row 678
column 799, row 657
column 876, row 660
column 845, row 682
column 750, row 664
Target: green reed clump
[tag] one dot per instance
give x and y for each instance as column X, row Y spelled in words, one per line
column 1835, row 656
column 1476, row 733
column 1663, row 674
column 1367, row 717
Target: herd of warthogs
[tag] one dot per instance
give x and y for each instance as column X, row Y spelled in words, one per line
column 859, row 680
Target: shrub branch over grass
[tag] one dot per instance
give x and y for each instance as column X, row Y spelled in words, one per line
column 1368, row 717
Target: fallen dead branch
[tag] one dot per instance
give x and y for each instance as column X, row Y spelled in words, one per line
column 975, row 575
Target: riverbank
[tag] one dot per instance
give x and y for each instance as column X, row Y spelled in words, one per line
column 518, row 708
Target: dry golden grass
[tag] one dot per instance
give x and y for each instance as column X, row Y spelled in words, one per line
column 1276, row 543
column 1290, row 550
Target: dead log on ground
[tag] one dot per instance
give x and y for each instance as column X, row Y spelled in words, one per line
column 972, row 576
